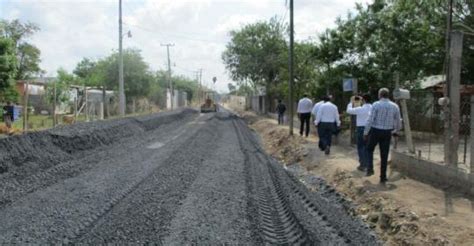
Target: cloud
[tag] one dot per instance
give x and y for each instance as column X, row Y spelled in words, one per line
column 234, row 22
column 73, row 29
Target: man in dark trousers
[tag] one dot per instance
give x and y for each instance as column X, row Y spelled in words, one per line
column 281, row 108
column 327, row 121
column 361, row 107
column 384, row 121
column 8, row 114
column 305, row 105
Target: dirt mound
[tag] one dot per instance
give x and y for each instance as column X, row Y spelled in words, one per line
column 288, row 149
column 395, row 222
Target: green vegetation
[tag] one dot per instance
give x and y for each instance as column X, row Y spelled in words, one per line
column 371, row 44
column 7, row 70
column 140, row 80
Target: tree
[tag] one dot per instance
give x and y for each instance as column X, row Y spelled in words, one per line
column 232, row 89
column 28, row 55
column 181, row 83
column 256, row 53
column 28, row 61
column 137, row 76
column 85, row 68
column 7, row 70
column 62, row 86
column 185, row 84
column 380, row 39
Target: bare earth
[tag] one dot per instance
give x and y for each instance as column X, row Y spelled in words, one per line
column 403, row 212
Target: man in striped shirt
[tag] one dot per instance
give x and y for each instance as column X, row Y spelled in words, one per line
column 384, row 120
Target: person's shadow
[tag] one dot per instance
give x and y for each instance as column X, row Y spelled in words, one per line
column 377, row 187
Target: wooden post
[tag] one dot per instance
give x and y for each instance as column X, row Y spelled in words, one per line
column 26, row 95
column 406, row 120
column 76, row 103
column 471, row 139
column 54, row 103
column 101, row 111
column 353, row 117
column 86, row 109
column 104, row 99
column 453, row 82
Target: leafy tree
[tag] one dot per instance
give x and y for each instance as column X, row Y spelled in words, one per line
column 380, row 39
column 256, row 53
column 232, row 88
column 137, row 76
column 185, row 84
column 28, row 55
column 181, row 83
column 63, row 82
column 85, row 68
column 7, row 70
column 28, row 61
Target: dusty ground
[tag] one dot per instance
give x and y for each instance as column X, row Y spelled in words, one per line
column 403, row 212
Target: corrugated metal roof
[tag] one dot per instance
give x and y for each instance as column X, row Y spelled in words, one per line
column 431, row 81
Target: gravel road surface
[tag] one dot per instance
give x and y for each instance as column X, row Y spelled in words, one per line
column 174, row 178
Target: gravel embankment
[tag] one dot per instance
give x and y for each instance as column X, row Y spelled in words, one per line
column 176, row 178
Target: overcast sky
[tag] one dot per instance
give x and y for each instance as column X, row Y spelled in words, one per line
column 73, row 29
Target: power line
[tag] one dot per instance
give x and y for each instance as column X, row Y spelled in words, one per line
column 178, row 36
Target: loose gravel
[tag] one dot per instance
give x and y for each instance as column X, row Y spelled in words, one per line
column 175, row 178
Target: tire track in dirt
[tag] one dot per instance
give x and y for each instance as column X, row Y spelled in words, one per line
column 300, row 216
column 145, row 215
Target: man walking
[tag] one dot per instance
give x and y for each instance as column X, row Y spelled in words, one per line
column 304, row 112
column 384, row 120
column 316, row 107
column 327, row 120
column 281, row 108
column 362, row 113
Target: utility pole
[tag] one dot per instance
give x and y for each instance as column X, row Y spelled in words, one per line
column 121, row 83
column 200, row 86
column 170, row 84
column 406, row 120
column 26, row 94
column 54, row 104
column 197, row 96
column 290, row 96
column 453, row 118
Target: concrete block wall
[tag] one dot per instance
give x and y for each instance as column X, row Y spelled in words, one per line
column 237, row 102
column 433, row 173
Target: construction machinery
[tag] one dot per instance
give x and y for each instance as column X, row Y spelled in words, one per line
column 209, row 104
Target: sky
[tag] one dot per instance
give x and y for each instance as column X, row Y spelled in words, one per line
column 199, row 29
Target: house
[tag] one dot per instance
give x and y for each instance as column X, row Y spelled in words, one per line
column 36, row 92
column 424, row 111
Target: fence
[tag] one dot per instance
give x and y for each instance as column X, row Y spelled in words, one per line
column 427, row 125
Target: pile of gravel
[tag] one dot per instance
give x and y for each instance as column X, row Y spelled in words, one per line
column 25, row 154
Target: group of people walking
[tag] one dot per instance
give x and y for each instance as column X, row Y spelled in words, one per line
column 376, row 124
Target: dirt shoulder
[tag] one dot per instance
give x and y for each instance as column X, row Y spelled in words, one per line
column 403, row 212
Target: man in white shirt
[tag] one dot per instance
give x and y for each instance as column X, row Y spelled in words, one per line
column 327, row 119
column 316, row 107
column 362, row 114
column 314, row 111
column 304, row 112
